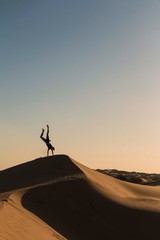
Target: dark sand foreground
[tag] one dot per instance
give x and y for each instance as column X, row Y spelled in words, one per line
column 59, row 198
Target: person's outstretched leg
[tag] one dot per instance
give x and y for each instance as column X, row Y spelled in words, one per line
column 47, row 135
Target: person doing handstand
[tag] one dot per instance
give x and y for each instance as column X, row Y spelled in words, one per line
column 47, row 141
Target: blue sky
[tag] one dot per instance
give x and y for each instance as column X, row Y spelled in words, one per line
column 89, row 69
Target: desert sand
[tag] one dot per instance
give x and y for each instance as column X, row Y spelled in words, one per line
column 58, row 198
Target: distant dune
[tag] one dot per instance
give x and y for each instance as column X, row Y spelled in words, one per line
column 58, row 198
column 152, row 179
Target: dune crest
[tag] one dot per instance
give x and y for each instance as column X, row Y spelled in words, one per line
column 58, row 198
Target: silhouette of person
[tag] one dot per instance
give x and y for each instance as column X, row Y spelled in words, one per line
column 47, row 141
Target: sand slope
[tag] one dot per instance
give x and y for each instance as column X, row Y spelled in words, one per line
column 59, row 198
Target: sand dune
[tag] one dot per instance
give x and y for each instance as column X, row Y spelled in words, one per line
column 59, row 198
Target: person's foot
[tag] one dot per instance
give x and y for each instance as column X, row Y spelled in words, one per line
column 42, row 130
column 47, row 126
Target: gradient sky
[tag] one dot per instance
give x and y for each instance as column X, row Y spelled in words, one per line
column 91, row 70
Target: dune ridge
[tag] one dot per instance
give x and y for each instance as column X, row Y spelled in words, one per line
column 58, row 198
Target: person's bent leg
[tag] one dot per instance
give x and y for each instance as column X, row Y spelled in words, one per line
column 43, row 139
column 42, row 133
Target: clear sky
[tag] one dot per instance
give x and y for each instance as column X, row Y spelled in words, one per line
column 88, row 68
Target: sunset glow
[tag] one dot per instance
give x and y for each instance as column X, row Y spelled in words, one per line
column 89, row 69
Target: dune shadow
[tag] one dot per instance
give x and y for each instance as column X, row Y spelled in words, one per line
column 38, row 171
column 77, row 211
